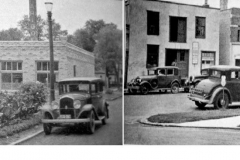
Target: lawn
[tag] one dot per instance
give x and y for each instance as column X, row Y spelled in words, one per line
column 194, row 116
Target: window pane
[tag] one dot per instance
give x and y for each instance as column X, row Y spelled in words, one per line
column 170, row 71
column 9, row 67
column 19, row 65
column 39, row 66
column 93, row 88
column 48, row 64
column 6, row 77
column 4, row 65
column 56, row 66
column 42, row 77
column 152, row 23
column 44, row 65
column 152, row 56
column 14, row 65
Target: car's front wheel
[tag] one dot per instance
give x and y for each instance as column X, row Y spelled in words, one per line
column 91, row 123
column 221, row 101
column 144, row 89
column 46, row 126
column 200, row 105
column 175, row 88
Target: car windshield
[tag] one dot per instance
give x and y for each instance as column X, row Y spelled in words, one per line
column 151, row 72
column 214, row 73
column 82, row 87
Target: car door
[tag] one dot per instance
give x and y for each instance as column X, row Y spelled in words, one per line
column 161, row 77
column 170, row 77
column 233, row 84
column 97, row 97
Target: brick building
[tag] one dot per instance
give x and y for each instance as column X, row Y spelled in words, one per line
column 161, row 32
column 23, row 61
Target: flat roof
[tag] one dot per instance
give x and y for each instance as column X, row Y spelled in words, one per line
column 90, row 79
column 225, row 67
column 183, row 4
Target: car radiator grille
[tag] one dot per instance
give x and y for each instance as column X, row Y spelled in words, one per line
column 66, row 107
column 197, row 92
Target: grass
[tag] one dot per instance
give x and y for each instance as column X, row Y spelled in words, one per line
column 193, row 116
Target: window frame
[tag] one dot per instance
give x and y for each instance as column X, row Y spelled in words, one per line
column 170, row 29
column 156, row 31
column 149, row 54
column 196, row 26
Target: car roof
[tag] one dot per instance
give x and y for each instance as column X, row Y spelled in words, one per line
column 225, row 68
column 89, row 79
column 165, row 67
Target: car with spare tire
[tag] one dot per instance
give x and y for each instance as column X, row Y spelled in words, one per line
column 211, row 90
column 159, row 79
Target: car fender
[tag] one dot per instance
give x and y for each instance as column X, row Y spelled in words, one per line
column 85, row 110
column 44, row 112
column 175, row 81
column 217, row 91
column 146, row 83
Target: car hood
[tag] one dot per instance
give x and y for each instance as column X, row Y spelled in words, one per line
column 148, row 77
column 74, row 96
column 207, row 84
column 200, row 76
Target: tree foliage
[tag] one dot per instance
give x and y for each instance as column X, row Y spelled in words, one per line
column 42, row 28
column 108, row 49
column 12, row 34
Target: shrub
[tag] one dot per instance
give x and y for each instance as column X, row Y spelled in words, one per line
column 109, row 91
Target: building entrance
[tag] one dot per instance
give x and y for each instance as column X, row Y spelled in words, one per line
column 179, row 58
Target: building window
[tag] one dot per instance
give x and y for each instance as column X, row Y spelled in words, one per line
column 238, row 36
column 152, row 23
column 43, row 71
column 12, row 75
column 182, row 55
column 178, row 29
column 200, row 27
column 152, row 55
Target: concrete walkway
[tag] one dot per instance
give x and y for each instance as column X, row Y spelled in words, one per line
column 227, row 123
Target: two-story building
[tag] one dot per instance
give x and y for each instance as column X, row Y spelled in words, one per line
column 161, row 33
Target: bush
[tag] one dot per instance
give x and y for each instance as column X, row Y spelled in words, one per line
column 109, row 91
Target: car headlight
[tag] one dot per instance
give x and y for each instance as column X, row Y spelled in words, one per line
column 54, row 105
column 77, row 104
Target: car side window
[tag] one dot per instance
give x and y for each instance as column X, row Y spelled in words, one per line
column 175, row 72
column 94, row 88
column 169, row 72
column 235, row 75
column 161, row 72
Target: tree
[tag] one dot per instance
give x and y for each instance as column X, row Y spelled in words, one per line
column 86, row 37
column 108, row 49
column 26, row 27
column 12, row 34
column 42, row 28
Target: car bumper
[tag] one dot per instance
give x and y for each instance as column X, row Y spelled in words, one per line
column 199, row 99
column 65, row 120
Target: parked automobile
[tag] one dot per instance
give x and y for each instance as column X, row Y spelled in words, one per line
column 158, row 79
column 81, row 102
column 192, row 81
column 210, row 90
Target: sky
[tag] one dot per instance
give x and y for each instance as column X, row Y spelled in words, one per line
column 212, row 3
column 70, row 14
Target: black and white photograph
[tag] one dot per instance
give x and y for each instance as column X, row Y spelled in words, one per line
column 181, row 77
column 61, row 72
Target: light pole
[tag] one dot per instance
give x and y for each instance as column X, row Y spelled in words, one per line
column 49, row 13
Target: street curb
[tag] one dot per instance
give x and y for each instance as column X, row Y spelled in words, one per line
column 26, row 138
column 146, row 122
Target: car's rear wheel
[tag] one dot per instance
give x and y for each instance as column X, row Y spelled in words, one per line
column 46, row 126
column 175, row 88
column 221, row 101
column 132, row 91
column 144, row 89
column 200, row 105
column 91, row 123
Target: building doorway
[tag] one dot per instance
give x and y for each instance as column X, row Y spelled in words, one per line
column 179, row 58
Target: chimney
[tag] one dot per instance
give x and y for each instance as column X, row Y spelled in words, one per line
column 223, row 4
column 206, row 4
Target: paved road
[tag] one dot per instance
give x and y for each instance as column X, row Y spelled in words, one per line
column 110, row 134
column 138, row 106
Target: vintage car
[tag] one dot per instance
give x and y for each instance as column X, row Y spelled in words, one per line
column 81, row 103
column 211, row 91
column 158, row 79
column 192, row 81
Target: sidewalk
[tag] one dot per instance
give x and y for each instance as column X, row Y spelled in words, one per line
column 224, row 123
